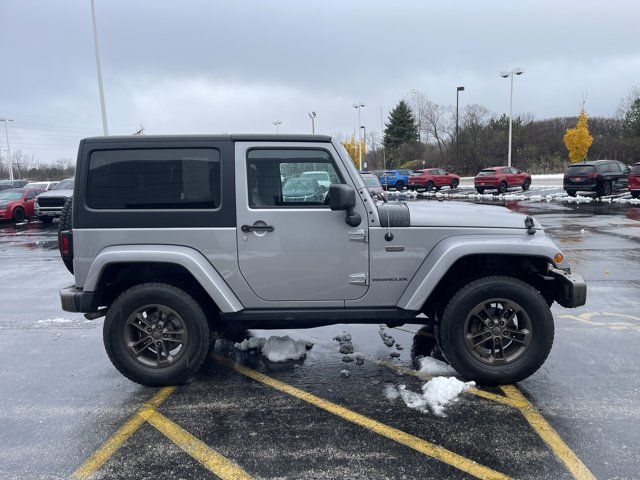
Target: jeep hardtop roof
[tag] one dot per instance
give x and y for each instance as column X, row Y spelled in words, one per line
column 236, row 137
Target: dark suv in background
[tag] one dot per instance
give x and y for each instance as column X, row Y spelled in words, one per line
column 600, row 176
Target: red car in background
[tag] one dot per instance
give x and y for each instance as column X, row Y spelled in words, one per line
column 17, row 203
column 501, row 179
column 634, row 180
column 430, row 178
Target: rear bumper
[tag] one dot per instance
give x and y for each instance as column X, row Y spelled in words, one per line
column 571, row 289
column 75, row 300
column 581, row 188
column 486, row 185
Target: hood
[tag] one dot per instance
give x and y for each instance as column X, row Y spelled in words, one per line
column 462, row 214
column 57, row 194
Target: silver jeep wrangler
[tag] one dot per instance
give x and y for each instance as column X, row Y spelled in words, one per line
column 173, row 236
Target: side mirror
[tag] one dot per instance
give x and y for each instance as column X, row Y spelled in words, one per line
column 343, row 197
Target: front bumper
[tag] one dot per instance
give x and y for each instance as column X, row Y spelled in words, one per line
column 570, row 288
column 75, row 300
column 48, row 211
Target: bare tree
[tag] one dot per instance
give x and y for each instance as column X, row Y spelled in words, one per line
column 627, row 100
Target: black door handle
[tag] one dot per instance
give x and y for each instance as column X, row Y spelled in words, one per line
column 257, row 228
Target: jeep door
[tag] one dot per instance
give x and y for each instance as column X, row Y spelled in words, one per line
column 294, row 249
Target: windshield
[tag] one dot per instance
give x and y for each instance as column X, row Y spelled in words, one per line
column 417, row 173
column 64, row 185
column 299, row 184
column 9, row 195
column 486, row 173
column 581, row 169
column 371, row 181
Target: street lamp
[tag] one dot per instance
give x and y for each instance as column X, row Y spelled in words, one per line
column 312, row 116
column 277, row 123
column 105, row 128
column 364, row 141
column 359, row 106
column 458, row 90
column 6, row 132
column 510, row 74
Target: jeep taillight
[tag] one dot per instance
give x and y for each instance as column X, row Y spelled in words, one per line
column 65, row 241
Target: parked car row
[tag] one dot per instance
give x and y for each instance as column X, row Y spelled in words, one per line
column 43, row 200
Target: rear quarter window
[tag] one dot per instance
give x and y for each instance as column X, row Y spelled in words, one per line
column 163, row 179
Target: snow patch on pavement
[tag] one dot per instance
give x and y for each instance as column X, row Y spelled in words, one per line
column 435, row 368
column 276, row 349
column 436, row 394
column 50, row 321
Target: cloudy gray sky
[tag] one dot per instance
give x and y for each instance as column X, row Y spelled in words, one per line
column 213, row 66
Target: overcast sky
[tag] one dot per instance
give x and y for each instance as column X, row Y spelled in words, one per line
column 214, row 67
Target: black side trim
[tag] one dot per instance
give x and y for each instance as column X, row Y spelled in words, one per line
column 307, row 318
column 74, row 300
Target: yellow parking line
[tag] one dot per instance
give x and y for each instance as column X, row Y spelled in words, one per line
column 113, row 443
column 411, row 441
column 578, row 469
column 210, row 459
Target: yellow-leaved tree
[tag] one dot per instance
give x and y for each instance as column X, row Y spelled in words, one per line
column 578, row 139
column 351, row 146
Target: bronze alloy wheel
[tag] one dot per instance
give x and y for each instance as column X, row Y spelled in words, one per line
column 497, row 331
column 155, row 336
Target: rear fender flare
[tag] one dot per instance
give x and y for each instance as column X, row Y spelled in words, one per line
column 192, row 260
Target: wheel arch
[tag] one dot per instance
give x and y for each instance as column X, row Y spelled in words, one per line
column 118, row 267
column 460, row 259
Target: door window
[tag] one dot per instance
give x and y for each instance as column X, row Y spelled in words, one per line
column 290, row 178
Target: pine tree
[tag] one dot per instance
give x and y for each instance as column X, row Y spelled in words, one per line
column 578, row 139
column 632, row 119
column 401, row 127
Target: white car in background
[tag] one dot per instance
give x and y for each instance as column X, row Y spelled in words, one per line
column 46, row 186
column 319, row 176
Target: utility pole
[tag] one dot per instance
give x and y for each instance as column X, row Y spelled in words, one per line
column 6, row 132
column 312, row 116
column 364, row 142
column 105, row 128
column 359, row 106
column 384, row 151
column 507, row 74
column 458, row 90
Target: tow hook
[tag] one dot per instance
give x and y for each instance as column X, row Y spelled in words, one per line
column 529, row 224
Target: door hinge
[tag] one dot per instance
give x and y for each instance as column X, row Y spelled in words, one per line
column 358, row 279
column 358, row 236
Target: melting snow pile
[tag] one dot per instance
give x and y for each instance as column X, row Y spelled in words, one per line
column 436, row 394
column 435, row 367
column 276, row 349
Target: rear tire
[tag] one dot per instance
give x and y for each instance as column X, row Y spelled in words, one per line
column 521, row 354
column 572, row 193
column 635, row 194
column 480, row 190
column 134, row 317
column 65, row 223
column 605, row 190
column 502, row 187
column 399, row 186
column 430, row 186
column 18, row 214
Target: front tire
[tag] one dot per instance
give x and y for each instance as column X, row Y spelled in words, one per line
column 496, row 330
column 18, row 215
column 454, row 184
column 526, row 184
column 156, row 334
column 46, row 220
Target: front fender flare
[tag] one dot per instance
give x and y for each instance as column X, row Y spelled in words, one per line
column 192, row 260
column 451, row 249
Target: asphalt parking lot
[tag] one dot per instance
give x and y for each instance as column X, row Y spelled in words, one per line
column 68, row 412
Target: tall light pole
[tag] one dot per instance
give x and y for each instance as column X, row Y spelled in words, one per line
column 277, row 123
column 510, row 74
column 364, row 141
column 359, row 106
column 312, row 116
column 105, row 128
column 6, row 132
column 458, row 90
